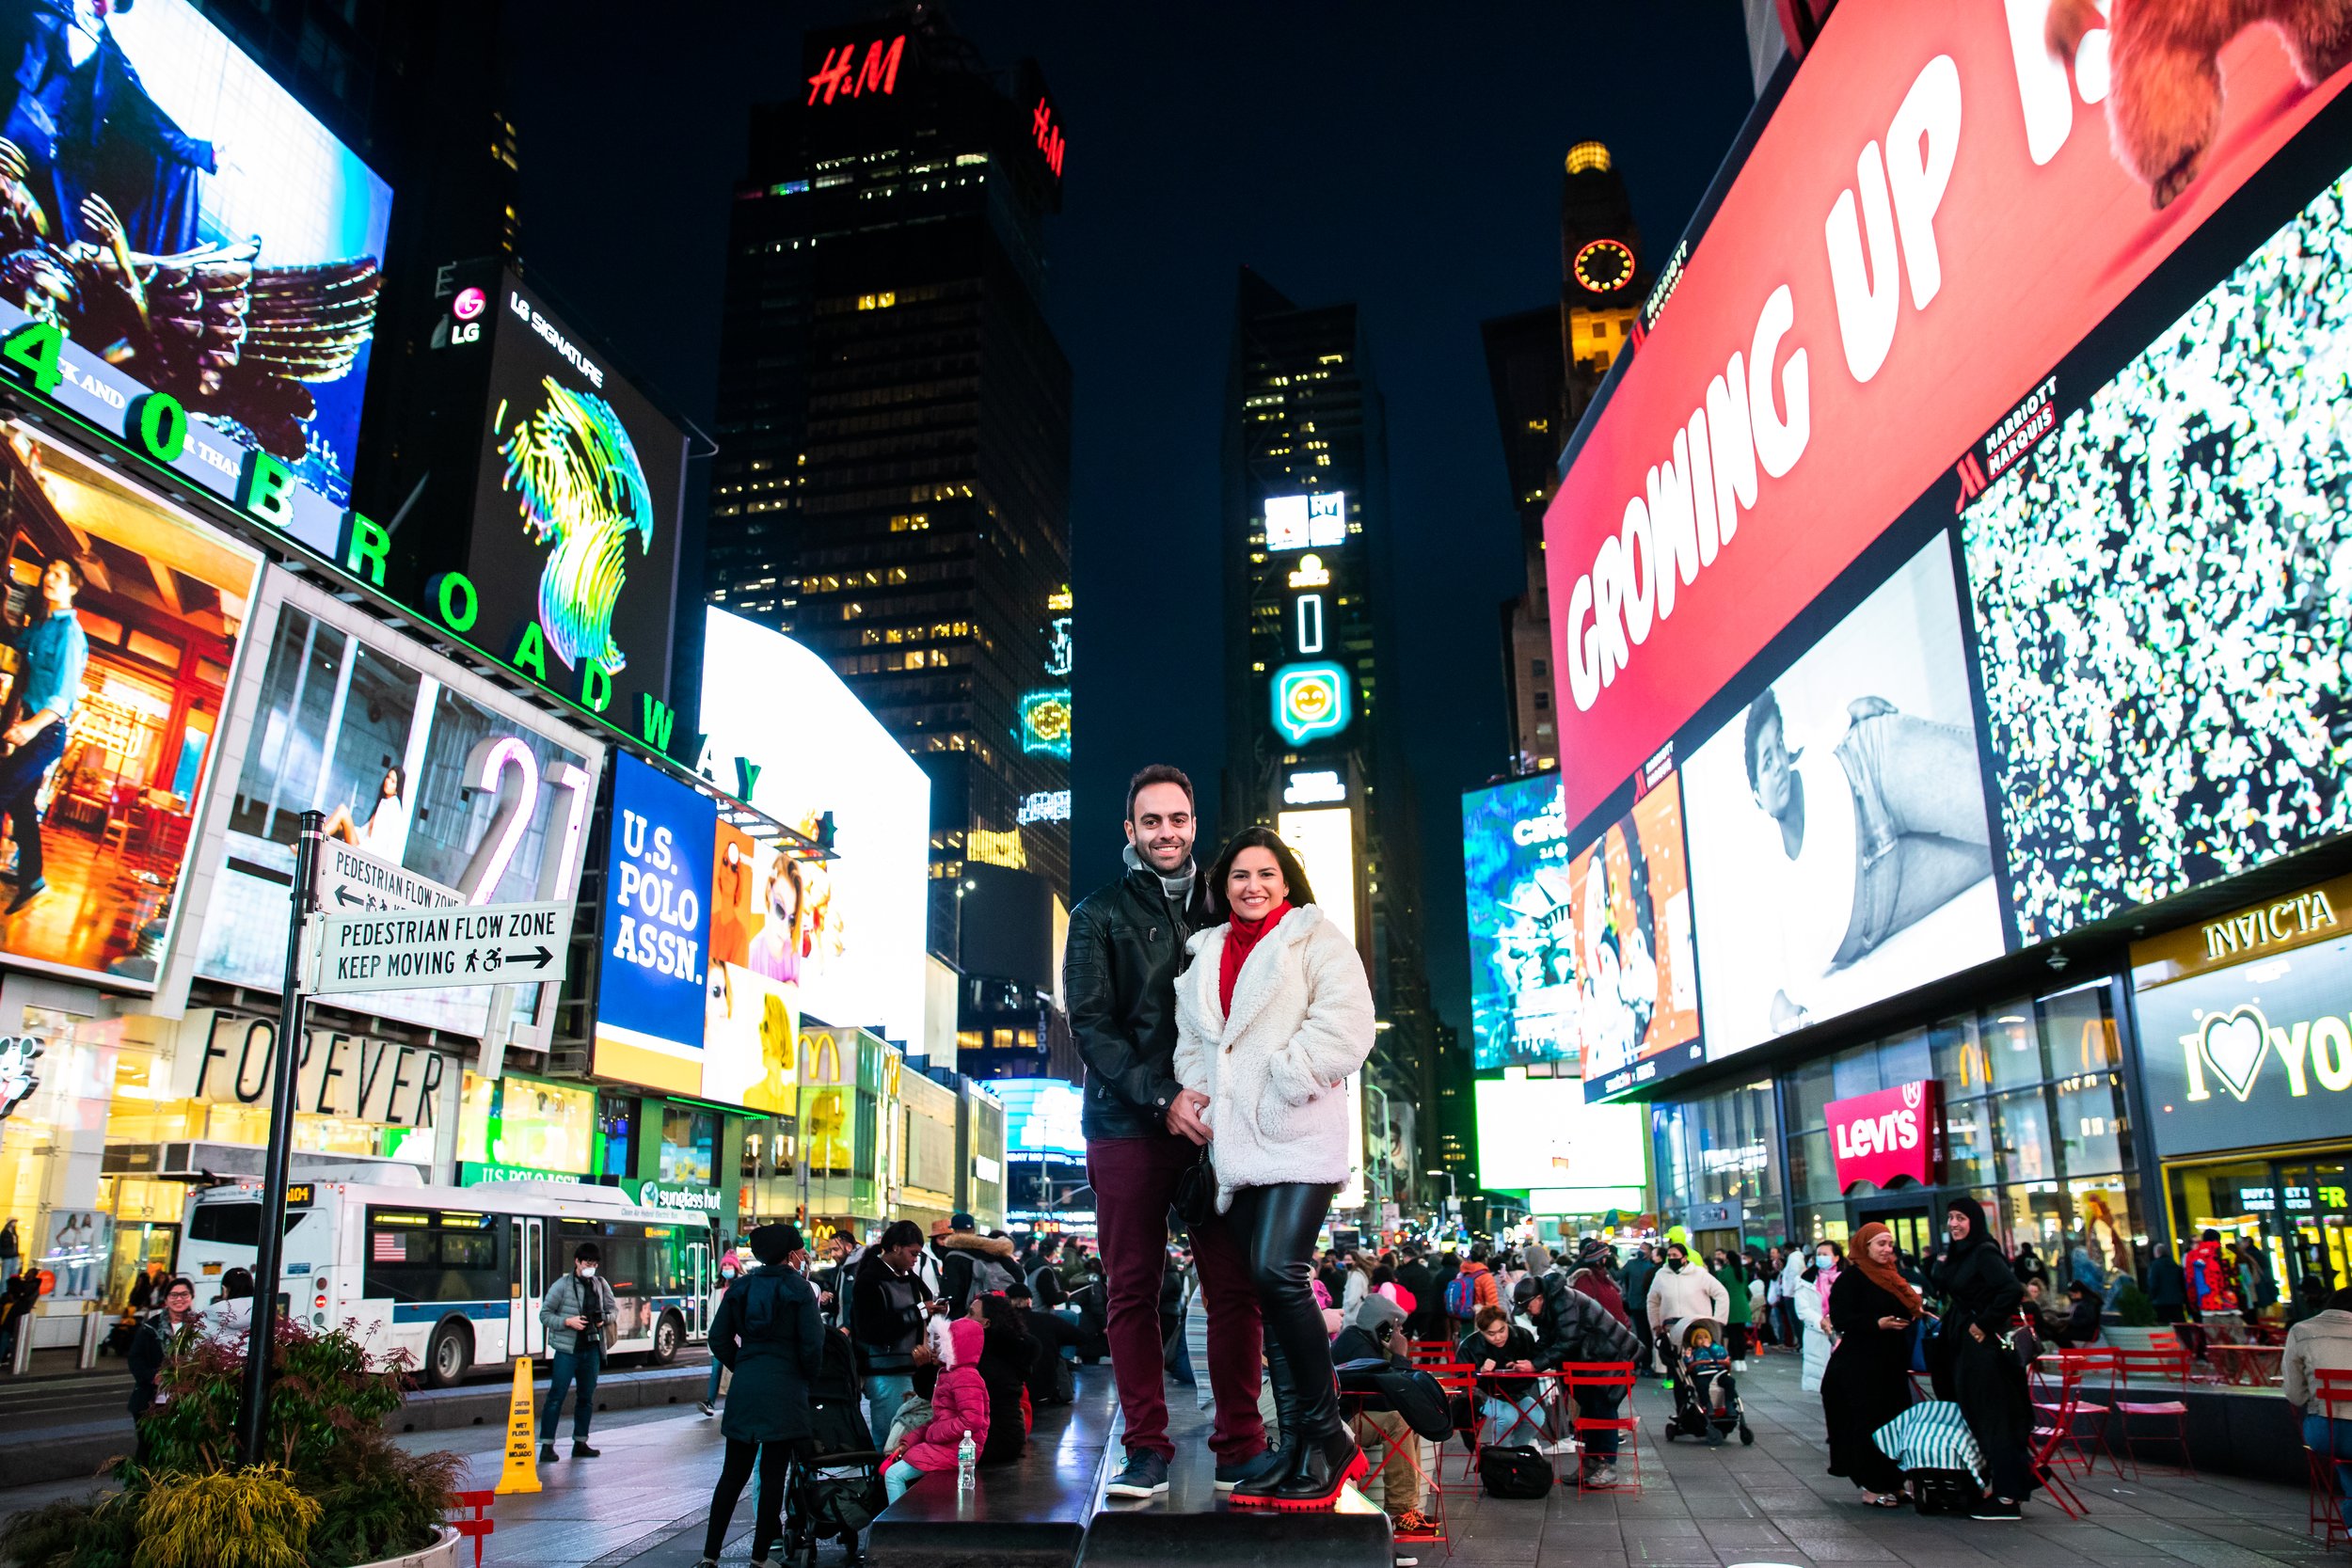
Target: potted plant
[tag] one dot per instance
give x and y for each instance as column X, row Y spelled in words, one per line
column 333, row 1491
column 2133, row 1319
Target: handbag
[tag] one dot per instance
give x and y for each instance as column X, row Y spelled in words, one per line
column 1921, row 1332
column 1196, row 1192
column 2022, row 1345
column 1518, row 1473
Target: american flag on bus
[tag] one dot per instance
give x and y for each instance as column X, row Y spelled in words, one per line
column 391, row 1246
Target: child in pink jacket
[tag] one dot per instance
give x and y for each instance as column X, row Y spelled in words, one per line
column 959, row 1405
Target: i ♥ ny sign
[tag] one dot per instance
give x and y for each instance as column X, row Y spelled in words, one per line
column 1894, row 1132
column 2229, row 1049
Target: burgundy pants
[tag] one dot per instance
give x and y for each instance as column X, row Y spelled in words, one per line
column 1134, row 1181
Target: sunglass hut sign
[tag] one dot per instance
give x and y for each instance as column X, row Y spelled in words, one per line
column 2257, row 1053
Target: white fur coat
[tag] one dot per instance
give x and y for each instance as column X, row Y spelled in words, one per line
column 1276, row 1071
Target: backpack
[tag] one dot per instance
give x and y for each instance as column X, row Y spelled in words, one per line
column 1518, row 1473
column 1461, row 1297
column 989, row 1276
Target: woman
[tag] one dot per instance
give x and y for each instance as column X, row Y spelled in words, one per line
column 1733, row 1277
column 1513, row 1406
column 1271, row 1019
column 1972, row 1365
column 1868, row 1382
column 1812, row 1305
column 769, row 1335
column 232, row 1312
column 1357, row 1285
column 384, row 832
column 159, row 1342
column 776, row 950
column 2255, row 1287
column 728, row 1269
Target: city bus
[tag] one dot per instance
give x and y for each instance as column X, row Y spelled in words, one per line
column 454, row 1275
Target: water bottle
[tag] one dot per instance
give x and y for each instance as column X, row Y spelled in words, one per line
column 967, row 1462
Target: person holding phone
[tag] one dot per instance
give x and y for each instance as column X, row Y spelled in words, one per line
column 1868, row 1382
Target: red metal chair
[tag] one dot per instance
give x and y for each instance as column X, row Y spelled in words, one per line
column 471, row 1516
column 2330, row 1477
column 1461, row 1384
column 2047, row 1439
column 2074, row 1367
column 1605, row 1374
column 2152, row 1369
column 1429, row 1353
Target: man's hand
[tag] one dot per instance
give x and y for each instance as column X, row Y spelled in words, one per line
column 824, row 1298
column 1522, row 1366
column 921, row 1355
column 1183, row 1118
column 1975, row 1333
column 576, row 1322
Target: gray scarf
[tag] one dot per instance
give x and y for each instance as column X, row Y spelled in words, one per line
column 1178, row 888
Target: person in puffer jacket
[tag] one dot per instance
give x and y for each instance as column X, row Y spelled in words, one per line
column 959, row 1405
column 1571, row 1328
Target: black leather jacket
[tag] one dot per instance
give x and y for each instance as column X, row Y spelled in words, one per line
column 1118, row 972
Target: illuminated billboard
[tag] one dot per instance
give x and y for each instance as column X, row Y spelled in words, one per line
column 785, row 734
column 1539, row 1133
column 127, row 617
column 1855, row 317
column 1315, row 521
column 1325, row 842
column 649, row 1014
column 1627, row 913
column 2163, row 595
column 413, row 758
column 574, row 552
column 1045, row 722
column 1838, row 836
column 1041, row 1119
column 174, row 209
column 1522, row 942
column 1311, row 702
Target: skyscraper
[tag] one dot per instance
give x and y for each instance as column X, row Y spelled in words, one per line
column 1544, row 367
column 893, row 423
column 1310, row 748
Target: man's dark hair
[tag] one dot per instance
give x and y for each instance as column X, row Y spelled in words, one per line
column 1018, row 1291
column 1300, row 891
column 1480, row 1252
column 1764, row 710
column 1158, row 773
column 587, row 1252
column 73, row 568
column 899, row 1233
column 2341, row 1301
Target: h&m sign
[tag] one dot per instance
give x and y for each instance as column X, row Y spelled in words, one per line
column 230, row 1059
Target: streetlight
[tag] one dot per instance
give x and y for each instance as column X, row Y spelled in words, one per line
column 1451, row 1194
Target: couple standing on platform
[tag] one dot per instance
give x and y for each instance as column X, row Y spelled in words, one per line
column 1219, row 1017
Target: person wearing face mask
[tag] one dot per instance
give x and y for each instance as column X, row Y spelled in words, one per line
column 1811, row 1299
column 1970, row 1364
column 730, row 1268
column 578, row 1311
column 1683, row 1289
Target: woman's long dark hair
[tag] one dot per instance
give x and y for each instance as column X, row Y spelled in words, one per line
column 1293, row 873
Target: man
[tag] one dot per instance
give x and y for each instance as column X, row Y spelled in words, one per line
column 1052, row 1381
column 1573, row 1328
column 1144, row 1131
column 52, row 653
column 971, row 1264
column 1639, row 1271
column 576, row 1311
column 1377, row 1335
column 1901, row 825
column 1474, row 1287
column 889, row 1308
column 828, row 1279
column 1427, row 1321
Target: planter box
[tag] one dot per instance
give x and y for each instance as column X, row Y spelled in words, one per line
column 441, row 1554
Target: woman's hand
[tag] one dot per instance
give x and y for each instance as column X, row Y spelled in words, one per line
column 1975, row 1332
column 1893, row 1324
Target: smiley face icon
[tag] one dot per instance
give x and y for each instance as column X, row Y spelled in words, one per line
column 1310, row 701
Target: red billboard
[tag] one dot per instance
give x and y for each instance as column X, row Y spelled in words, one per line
column 1894, row 1132
column 1933, row 216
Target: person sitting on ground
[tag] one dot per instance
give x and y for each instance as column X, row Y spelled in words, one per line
column 1376, row 1336
column 1054, row 1341
column 1007, row 1357
column 1513, row 1406
column 958, row 1405
column 1571, row 1328
column 769, row 1334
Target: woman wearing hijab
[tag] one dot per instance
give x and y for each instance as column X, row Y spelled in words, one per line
column 1273, row 1016
column 1972, row 1365
column 1868, row 1382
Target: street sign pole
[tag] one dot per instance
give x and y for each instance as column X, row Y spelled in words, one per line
column 287, row 1066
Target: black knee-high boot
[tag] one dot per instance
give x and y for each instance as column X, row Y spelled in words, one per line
column 1279, row 1224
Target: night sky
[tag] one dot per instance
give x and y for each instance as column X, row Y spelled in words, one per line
column 1402, row 156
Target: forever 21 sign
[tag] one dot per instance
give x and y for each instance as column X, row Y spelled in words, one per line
column 227, row 1057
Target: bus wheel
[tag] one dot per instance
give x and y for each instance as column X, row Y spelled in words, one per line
column 667, row 1336
column 448, row 1355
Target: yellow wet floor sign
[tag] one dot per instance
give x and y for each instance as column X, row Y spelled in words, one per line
column 521, row 1473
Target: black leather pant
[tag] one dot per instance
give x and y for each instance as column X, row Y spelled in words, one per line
column 1278, row 1226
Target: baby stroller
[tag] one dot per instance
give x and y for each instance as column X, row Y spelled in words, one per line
column 836, row 1487
column 1706, row 1397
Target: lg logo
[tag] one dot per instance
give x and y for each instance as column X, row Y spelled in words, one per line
column 468, row 308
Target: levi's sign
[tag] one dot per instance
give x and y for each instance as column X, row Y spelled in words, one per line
column 483, row 945
column 1877, row 1138
column 1930, row 219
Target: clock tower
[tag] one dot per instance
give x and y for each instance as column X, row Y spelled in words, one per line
column 1601, row 281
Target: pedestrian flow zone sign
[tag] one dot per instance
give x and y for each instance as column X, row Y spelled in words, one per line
column 352, row 882
column 480, row 944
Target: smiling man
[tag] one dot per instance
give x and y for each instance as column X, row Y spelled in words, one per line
column 1143, row 1132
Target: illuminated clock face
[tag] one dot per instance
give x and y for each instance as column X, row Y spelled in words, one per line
column 1604, row 266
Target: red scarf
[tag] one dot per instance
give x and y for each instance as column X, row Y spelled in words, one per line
column 1240, row 937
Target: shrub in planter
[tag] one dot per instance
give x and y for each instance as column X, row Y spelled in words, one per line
column 250, row 1518
column 2133, row 1308
column 361, row 1497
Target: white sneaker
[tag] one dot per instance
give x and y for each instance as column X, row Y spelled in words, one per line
column 1602, row 1475
column 1738, row 1366
column 1565, row 1444
column 706, row 1407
